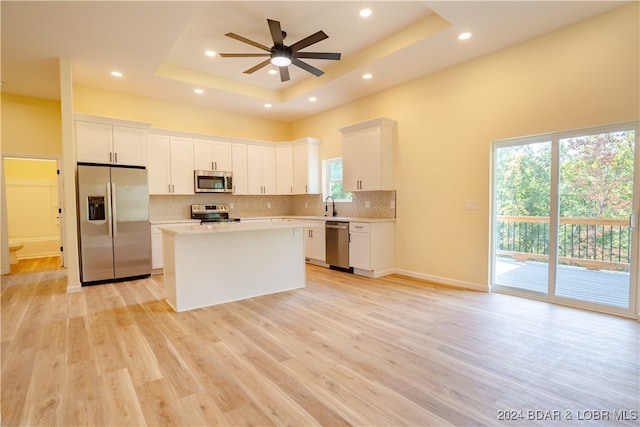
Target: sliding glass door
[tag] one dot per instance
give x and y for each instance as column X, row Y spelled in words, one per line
column 564, row 224
column 522, row 205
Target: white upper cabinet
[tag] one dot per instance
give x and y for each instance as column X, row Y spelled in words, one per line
column 261, row 169
column 306, row 166
column 367, row 162
column 170, row 165
column 106, row 143
column 239, row 168
column 212, row 155
column 284, row 169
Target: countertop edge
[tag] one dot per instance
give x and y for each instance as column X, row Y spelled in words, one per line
column 230, row 227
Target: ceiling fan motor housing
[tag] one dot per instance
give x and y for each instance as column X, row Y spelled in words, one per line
column 281, row 51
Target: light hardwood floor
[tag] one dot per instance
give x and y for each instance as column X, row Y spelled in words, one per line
column 345, row 350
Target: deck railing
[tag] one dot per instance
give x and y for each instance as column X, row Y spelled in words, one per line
column 594, row 243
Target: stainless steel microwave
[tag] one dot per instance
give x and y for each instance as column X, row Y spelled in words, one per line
column 212, row 182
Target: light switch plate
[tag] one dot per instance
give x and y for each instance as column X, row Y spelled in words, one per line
column 471, row 205
column 367, row 204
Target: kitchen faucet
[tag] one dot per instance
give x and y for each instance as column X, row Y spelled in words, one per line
column 326, row 206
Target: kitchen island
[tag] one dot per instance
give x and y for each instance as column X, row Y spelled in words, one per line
column 216, row 263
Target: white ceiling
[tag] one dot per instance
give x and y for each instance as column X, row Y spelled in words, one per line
column 160, row 45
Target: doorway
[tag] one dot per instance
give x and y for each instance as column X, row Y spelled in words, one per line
column 564, row 218
column 32, row 191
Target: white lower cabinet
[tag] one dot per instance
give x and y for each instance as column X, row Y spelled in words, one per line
column 359, row 245
column 371, row 248
column 314, row 242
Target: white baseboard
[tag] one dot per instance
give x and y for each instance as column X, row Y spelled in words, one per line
column 444, row 280
column 73, row 288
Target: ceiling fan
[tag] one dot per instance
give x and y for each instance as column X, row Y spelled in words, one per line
column 281, row 55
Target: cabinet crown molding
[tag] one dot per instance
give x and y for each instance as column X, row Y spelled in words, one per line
column 110, row 121
column 380, row 121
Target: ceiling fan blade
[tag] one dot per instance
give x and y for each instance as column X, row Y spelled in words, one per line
column 257, row 67
column 276, row 32
column 307, row 67
column 308, row 41
column 243, row 55
column 246, row 40
column 284, row 74
column 318, row 55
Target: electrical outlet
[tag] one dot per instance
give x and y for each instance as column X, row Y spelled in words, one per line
column 268, row 205
column 367, row 204
column 306, row 205
column 230, row 205
column 393, row 204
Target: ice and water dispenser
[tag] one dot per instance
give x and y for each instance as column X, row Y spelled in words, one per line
column 96, row 208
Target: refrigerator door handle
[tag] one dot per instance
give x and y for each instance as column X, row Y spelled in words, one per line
column 115, row 210
column 109, row 209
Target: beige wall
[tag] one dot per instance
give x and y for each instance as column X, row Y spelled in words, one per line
column 582, row 75
column 167, row 115
column 31, row 126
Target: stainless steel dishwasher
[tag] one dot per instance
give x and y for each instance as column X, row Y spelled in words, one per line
column 337, row 245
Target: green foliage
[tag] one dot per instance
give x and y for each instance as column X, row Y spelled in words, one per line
column 523, row 184
column 338, row 193
column 335, row 181
column 595, row 181
column 596, row 177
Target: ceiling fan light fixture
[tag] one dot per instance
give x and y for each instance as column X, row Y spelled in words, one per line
column 280, row 60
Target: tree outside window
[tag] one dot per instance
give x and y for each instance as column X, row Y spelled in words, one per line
column 332, row 180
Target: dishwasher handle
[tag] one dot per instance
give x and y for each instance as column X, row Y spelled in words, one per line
column 338, row 226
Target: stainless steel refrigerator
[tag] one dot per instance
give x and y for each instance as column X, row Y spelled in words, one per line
column 113, row 223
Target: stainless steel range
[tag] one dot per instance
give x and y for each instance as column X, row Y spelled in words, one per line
column 211, row 213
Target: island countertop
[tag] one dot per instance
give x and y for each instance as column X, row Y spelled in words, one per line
column 226, row 227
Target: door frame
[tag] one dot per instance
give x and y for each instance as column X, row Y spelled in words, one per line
column 554, row 137
column 4, row 239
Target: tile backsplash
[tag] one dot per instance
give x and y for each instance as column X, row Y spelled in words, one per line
column 167, row 208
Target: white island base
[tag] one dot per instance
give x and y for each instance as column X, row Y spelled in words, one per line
column 212, row 264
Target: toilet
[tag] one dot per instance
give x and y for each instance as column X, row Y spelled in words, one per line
column 14, row 247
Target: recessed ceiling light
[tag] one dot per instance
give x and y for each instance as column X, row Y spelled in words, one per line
column 199, row 91
column 464, row 36
column 313, row 99
column 268, row 105
column 367, row 76
column 365, row 12
column 116, row 74
column 209, row 53
column 273, row 72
